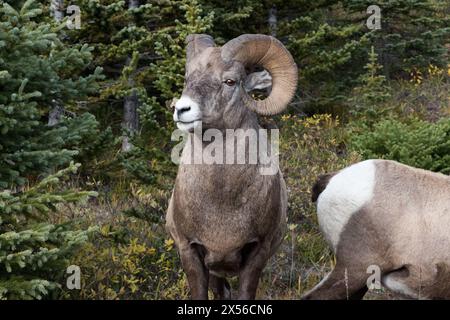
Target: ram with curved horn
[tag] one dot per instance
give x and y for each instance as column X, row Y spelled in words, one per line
column 229, row 218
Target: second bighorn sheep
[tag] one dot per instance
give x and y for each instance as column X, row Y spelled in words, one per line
column 228, row 219
column 385, row 214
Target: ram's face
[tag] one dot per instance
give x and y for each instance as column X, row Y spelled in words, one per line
column 218, row 81
column 213, row 90
column 209, row 82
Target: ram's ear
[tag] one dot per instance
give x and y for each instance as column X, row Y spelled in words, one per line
column 261, row 80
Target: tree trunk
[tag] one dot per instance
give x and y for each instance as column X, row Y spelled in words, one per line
column 130, row 119
column 57, row 11
column 272, row 20
column 133, row 4
column 55, row 114
column 130, row 105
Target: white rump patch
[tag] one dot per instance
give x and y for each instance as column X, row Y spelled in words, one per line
column 346, row 193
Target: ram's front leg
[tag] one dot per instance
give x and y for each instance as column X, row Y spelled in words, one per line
column 254, row 261
column 196, row 272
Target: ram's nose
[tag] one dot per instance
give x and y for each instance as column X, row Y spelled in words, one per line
column 184, row 104
column 182, row 110
column 186, row 110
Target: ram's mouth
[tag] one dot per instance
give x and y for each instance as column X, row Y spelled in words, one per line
column 188, row 126
column 188, row 122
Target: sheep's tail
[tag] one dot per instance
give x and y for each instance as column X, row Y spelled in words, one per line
column 320, row 185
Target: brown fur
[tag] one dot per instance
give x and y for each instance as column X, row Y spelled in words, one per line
column 404, row 229
column 320, row 185
column 225, row 219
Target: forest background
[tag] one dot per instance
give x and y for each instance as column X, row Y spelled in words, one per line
column 85, row 126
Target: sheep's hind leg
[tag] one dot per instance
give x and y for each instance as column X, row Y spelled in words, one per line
column 340, row 284
column 220, row 287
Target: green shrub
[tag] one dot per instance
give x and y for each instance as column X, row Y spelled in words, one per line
column 368, row 98
column 130, row 260
column 132, row 257
column 417, row 143
column 34, row 250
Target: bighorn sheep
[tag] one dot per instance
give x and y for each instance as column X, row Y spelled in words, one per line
column 385, row 214
column 228, row 219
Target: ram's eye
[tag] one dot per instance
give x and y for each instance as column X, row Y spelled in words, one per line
column 230, row 82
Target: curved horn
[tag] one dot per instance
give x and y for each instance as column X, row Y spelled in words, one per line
column 196, row 43
column 271, row 54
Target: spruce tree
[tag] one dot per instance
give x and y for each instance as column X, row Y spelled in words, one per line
column 142, row 52
column 368, row 97
column 35, row 70
column 413, row 33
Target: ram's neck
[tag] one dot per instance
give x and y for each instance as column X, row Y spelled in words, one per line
column 214, row 168
column 223, row 184
column 249, row 145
